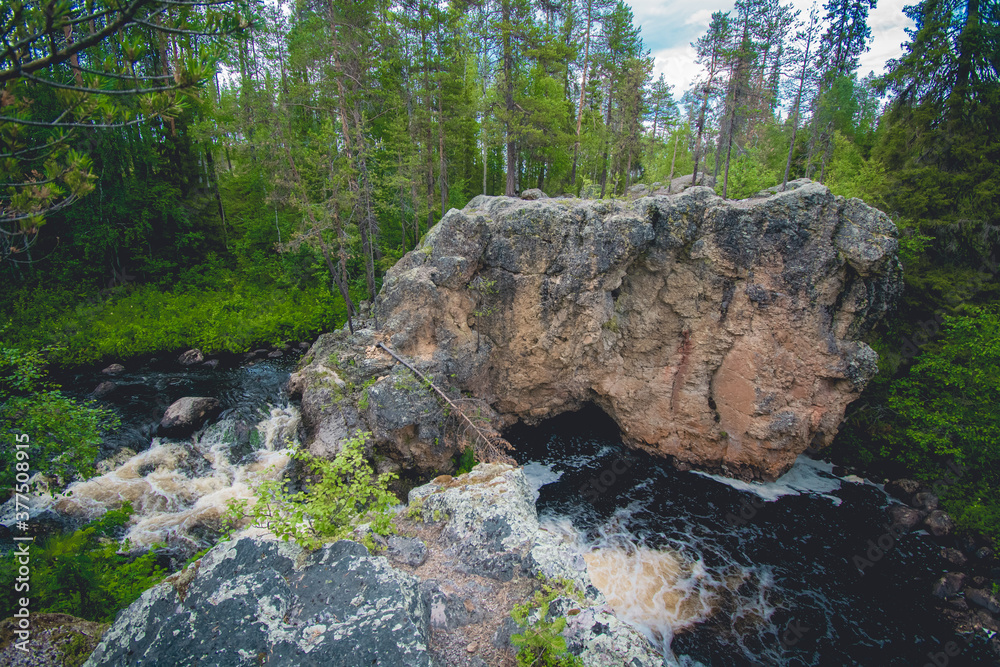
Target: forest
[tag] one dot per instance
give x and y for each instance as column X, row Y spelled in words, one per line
column 223, row 174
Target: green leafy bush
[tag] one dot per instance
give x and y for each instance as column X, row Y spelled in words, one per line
column 343, row 493
column 465, row 461
column 948, row 409
column 86, row 573
column 61, row 434
column 541, row 642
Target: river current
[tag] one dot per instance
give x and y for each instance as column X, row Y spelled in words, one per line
column 716, row 572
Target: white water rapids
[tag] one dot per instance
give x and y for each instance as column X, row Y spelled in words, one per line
column 180, row 489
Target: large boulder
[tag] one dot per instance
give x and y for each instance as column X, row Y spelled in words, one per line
column 489, row 548
column 682, row 183
column 257, row 601
column 726, row 335
column 491, row 519
column 186, row 415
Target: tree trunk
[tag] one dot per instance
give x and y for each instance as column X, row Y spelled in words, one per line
column 583, row 89
column 508, row 74
column 673, row 160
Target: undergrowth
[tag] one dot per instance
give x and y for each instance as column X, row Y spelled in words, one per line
column 340, row 495
column 231, row 317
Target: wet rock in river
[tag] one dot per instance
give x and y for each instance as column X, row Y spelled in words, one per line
column 186, row 415
column 191, row 357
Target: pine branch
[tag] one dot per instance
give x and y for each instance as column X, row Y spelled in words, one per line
column 491, row 445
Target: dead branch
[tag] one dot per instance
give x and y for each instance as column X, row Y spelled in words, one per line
column 488, row 444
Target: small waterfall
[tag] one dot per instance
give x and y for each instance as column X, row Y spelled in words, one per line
column 180, row 490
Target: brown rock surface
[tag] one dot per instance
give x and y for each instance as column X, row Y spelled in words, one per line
column 723, row 334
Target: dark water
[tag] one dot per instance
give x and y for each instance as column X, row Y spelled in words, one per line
column 149, row 385
column 806, row 603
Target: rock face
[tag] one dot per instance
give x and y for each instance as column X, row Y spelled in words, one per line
column 723, row 334
column 682, row 183
column 255, row 601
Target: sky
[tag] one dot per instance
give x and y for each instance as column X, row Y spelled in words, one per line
column 669, row 27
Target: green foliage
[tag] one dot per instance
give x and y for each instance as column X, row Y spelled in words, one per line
column 215, row 317
column 465, row 461
column 363, row 399
column 541, row 642
column 63, row 435
column 341, row 494
column 851, row 175
column 948, row 409
column 86, row 573
column 748, row 175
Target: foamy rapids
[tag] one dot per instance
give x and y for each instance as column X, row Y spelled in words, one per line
column 663, row 591
column 180, row 490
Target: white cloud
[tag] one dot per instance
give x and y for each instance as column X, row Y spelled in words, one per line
column 668, row 28
column 677, row 66
column 700, row 18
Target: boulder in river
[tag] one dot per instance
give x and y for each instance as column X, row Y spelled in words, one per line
column 186, row 415
column 902, row 489
column 954, row 556
column 950, row 584
column 904, row 516
column 939, row 524
column 984, row 599
column 191, row 357
column 114, row 369
column 925, row 500
column 104, row 388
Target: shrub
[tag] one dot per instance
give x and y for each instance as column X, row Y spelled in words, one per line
column 343, row 493
column 63, row 435
column 541, row 642
column 85, row 573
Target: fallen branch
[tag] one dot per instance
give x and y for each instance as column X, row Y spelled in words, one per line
column 491, row 445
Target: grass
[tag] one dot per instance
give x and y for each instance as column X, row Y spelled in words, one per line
column 234, row 316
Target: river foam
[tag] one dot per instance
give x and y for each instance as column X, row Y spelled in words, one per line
column 180, row 490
